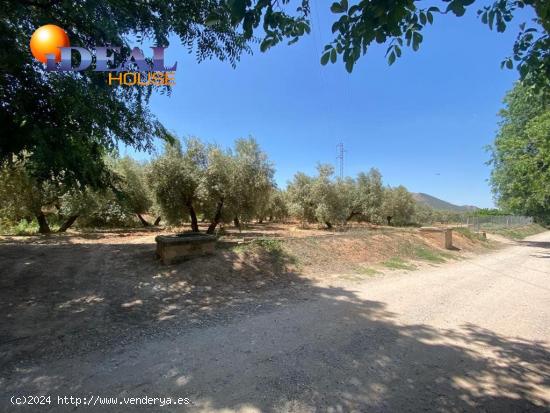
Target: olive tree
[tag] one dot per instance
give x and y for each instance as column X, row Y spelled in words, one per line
column 398, row 205
column 252, row 180
column 276, row 206
column 300, row 198
column 318, row 198
column 22, row 196
column 216, row 186
column 364, row 196
column 220, row 184
column 175, row 178
column 329, row 205
column 132, row 187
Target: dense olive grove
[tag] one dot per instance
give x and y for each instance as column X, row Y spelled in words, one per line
column 198, row 183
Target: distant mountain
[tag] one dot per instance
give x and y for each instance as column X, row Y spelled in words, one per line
column 439, row 204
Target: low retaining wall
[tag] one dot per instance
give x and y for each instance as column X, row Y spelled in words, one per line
column 174, row 248
column 446, row 235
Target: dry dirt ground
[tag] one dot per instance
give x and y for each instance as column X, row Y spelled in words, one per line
column 254, row 329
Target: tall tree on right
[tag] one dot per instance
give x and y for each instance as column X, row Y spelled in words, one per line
column 520, row 154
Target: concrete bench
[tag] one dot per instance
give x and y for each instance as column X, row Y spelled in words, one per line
column 446, row 235
column 174, row 248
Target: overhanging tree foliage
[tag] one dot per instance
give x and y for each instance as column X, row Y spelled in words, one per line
column 67, row 122
column 359, row 24
column 401, row 23
column 521, row 154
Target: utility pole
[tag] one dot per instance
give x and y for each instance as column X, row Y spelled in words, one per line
column 340, row 157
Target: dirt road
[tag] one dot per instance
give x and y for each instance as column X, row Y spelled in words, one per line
column 472, row 335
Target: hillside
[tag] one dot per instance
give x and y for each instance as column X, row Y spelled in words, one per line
column 439, row 204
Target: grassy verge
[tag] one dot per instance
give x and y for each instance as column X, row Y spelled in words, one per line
column 361, row 253
column 425, row 254
column 367, row 271
column 468, row 233
column 518, row 233
column 24, row 227
column 272, row 250
column 398, row 263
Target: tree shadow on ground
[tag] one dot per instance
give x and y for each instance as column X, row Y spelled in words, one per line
column 535, row 244
column 323, row 349
column 72, row 297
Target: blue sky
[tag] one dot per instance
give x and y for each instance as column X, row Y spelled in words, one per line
column 423, row 122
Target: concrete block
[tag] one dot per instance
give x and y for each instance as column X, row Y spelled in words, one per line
column 175, row 248
column 446, row 235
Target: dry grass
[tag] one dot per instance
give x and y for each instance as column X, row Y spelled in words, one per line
column 518, row 233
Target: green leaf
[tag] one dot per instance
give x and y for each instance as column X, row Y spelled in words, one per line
column 416, row 40
column 238, row 9
column 491, row 19
column 349, row 65
column 484, row 18
column 333, row 56
column 456, row 7
column 325, row 57
column 423, row 18
column 212, row 19
column 391, row 59
column 291, row 42
column 266, row 44
column 337, row 8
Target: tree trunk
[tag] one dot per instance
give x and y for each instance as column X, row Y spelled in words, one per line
column 217, row 217
column 143, row 221
column 236, row 222
column 328, row 224
column 389, row 220
column 70, row 221
column 43, row 226
column 261, row 221
column 157, row 222
column 351, row 215
column 193, row 215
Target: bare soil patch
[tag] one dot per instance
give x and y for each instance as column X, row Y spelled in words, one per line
column 75, row 292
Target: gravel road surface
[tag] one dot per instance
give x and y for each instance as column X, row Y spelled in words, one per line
column 472, row 335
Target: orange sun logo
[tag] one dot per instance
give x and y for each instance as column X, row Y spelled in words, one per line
column 47, row 40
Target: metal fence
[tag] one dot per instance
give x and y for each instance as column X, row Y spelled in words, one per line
column 487, row 222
